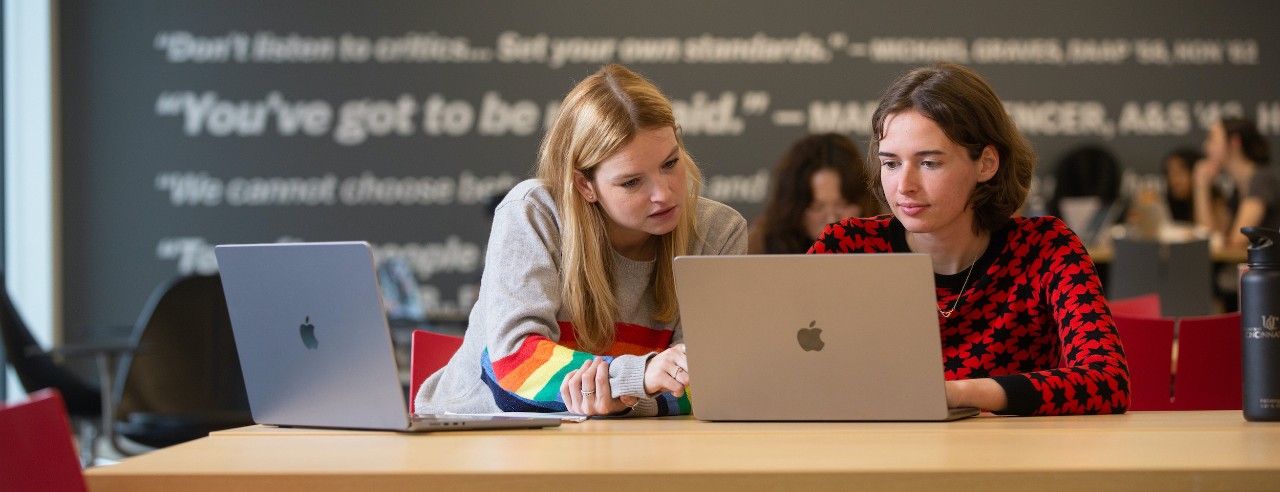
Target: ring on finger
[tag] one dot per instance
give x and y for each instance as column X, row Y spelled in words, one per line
column 586, row 393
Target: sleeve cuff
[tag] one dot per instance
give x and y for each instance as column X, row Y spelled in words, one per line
column 626, row 376
column 644, row 407
column 1021, row 396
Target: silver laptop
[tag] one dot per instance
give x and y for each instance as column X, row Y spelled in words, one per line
column 314, row 344
column 813, row 337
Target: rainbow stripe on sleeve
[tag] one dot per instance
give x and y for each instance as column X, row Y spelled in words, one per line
column 529, row 379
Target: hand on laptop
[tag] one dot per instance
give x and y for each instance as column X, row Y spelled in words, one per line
column 586, row 391
column 666, row 372
column 984, row 393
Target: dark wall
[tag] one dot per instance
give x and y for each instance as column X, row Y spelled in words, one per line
column 188, row 124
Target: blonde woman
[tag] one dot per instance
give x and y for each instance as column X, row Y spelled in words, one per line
column 577, row 308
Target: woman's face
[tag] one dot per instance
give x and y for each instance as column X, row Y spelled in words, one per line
column 1216, row 146
column 1178, row 174
column 828, row 204
column 927, row 178
column 641, row 188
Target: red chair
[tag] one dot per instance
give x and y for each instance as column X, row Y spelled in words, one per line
column 428, row 353
column 1148, row 347
column 38, row 452
column 1143, row 306
column 1208, row 375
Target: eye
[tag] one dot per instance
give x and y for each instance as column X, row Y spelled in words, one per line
column 931, row 164
column 631, row 183
column 671, row 163
column 889, row 164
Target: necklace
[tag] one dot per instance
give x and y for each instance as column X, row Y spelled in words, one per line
column 960, row 294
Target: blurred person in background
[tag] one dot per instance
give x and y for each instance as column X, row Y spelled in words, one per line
column 1087, row 191
column 1234, row 148
column 821, row 179
column 1178, row 165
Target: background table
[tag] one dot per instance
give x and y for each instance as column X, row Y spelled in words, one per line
column 1137, row 451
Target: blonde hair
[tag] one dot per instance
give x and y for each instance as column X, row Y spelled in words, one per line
column 602, row 114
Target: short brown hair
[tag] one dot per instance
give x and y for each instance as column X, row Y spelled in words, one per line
column 969, row 112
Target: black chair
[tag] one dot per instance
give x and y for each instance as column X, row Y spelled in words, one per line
column 37, row 369
column 183, row 380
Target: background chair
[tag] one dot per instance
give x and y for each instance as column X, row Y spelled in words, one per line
column 183, row 380
column 1208, row 375
column 1134, row 269
column 38, row 452
column 430, row 352
column 37, row 369
column 1143, row 306
column 1187, row 288
column 1197, row 370
column 1148, row 347
column 1181, row 273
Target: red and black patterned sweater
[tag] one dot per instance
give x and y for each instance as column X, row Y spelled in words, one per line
column 1033, row 318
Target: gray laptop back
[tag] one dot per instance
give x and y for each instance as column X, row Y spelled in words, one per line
column 314, row 344
column 312, row 338
column 812, row 337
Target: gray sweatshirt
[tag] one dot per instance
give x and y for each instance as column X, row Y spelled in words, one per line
column 509, row 359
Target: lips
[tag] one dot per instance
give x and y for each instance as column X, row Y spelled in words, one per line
column 912, row 209
column 664, row 213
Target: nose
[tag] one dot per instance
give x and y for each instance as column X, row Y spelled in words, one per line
column 662, row 190
column 908, row 180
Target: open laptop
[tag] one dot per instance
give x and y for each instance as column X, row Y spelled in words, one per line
column 314, row 344
column 813, row 337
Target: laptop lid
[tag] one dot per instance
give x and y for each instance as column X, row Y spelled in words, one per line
column 313, row 340
column 812, row 337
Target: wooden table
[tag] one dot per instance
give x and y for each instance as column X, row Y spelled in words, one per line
column 1169, row 233
column 1104, row 253
column 1137, row 451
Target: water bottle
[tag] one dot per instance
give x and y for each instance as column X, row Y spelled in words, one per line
column 1260, row 322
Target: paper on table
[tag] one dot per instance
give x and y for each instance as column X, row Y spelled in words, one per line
column 563, row 416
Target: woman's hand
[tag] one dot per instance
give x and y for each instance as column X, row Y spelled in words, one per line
column 585, row 391
column 1204, row 172
column 1209, row 213
column 984, row 393
column 667, row 372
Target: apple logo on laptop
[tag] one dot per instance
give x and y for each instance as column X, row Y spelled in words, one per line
column 308, row 332
column 810, row 338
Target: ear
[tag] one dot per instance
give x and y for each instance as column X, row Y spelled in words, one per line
column 584, row 186
column 988, row 163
